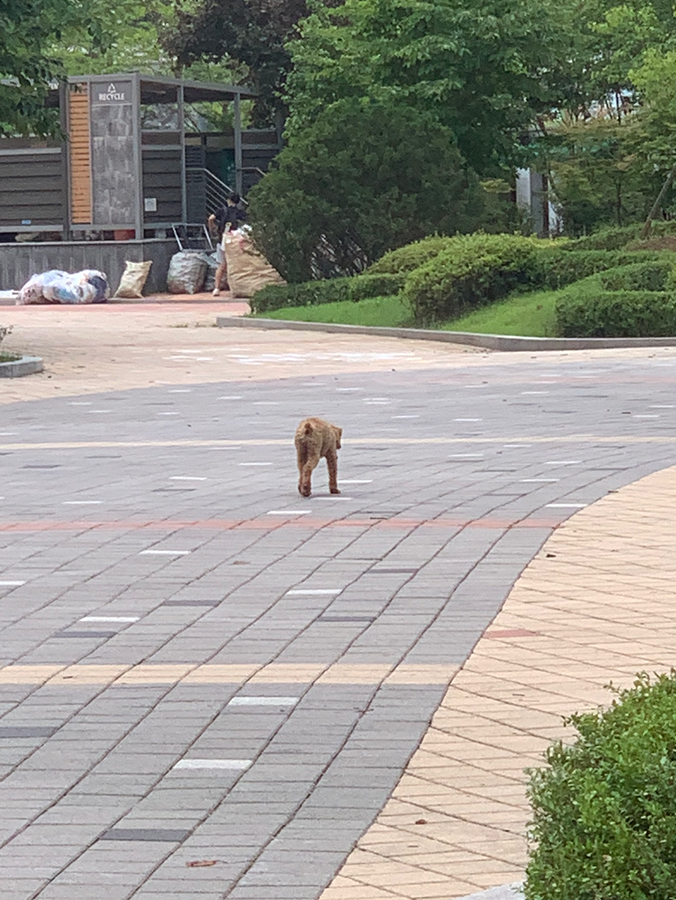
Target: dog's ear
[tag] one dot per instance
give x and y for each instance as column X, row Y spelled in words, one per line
column 339, row 434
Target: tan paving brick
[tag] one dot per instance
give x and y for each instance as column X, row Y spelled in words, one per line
column 603, row 610
column 88, row 349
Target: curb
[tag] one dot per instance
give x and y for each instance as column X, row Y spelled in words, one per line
column 486, row 341
column 27, row 365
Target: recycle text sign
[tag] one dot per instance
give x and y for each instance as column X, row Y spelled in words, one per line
column 111, row 92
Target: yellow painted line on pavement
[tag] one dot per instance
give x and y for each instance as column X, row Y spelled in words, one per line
column 236, row 673
column 285, row 442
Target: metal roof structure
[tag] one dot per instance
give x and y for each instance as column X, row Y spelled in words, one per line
column 164, row 89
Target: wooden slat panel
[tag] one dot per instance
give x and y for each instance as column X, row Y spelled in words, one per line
column 17, row 170
column 80, row 157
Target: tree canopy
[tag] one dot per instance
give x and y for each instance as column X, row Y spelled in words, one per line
column 120, row 36
column 28, row 29
column 251, row 35
column 485, row 70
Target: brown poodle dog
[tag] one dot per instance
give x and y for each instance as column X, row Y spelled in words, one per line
column 315, row 439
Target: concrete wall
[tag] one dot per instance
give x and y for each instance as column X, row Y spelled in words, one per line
column 19, row 261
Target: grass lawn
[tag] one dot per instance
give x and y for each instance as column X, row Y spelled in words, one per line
column 525, row 314
column 386, row 311
column 531, row 315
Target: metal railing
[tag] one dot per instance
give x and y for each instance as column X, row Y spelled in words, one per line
column 192, row 236
column 216, row 192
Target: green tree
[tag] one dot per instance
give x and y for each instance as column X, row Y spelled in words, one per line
column 29, row 30
column 486, row 70
column 364, row 178
column 119, row 36
column 594, row 173
column 608, row 168
column 655, row 80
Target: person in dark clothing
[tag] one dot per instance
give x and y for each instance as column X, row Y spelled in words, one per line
column 229, row 217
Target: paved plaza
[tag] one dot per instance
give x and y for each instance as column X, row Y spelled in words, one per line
column 213, row 688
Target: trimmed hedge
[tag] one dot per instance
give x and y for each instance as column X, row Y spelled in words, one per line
column 650, row 276
column 607, row 238
column 599, row 313
column 331, row 290
column 476, row 269
column 558, row 267
column 604, row 811
column 412, row 256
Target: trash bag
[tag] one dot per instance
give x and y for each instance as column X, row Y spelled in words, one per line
column 212, row 266
column 99, row 281
column 187, row 271
column 34, row 289
column 133, row 279
column 55, row 286
column 248, row 270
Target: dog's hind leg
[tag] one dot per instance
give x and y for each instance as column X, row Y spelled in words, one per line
column 332, row 463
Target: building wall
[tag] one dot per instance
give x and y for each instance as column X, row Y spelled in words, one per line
column 79, row 147
column 18, row 262
column 162, row 184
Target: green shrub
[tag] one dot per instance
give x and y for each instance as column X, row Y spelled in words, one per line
column 558, row 267
column 330, row 290
column 604, row 811
column 473, row 270
column 650, row 276
column 599, row 313
column 412, row 256
column 466, row 271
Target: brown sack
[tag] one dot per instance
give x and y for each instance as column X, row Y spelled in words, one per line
column 133, row 279
column 248, row 271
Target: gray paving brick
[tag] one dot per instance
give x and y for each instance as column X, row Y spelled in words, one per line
column 175, row 835
column 26, row 731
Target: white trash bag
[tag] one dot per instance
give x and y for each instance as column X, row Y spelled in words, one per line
column 55, row 286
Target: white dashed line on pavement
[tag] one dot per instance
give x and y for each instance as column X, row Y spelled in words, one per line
column 237, row 765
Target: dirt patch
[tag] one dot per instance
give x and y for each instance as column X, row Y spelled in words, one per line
column 666, row 242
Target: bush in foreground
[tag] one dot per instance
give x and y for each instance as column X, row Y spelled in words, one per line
column 330, row 290
column 473, row 270
column 650, row 276
column 412, row 256
column 591, row 311
column 604, row 811
column 558, row 267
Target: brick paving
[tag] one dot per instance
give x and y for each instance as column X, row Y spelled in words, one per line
column 211, row 687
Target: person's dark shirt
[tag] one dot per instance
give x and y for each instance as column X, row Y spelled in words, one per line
column 229, row 215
